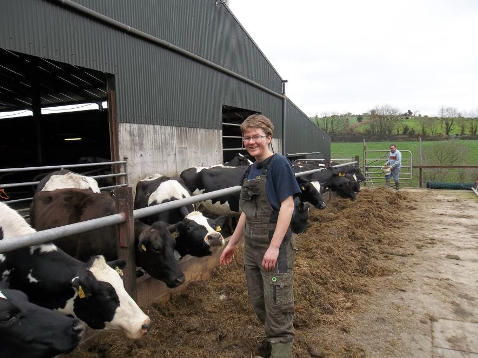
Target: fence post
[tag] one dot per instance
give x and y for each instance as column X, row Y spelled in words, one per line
column 357, row 159
column 126, row 249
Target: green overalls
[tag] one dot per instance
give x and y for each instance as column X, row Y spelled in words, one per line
column 270, row 292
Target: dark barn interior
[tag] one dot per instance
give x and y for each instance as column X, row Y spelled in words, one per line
column 32, row 138
column 232, row 117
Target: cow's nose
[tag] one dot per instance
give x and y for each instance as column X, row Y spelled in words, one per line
column 215, row 239
column 78, row 327
column 146, row 325
column 179, row 280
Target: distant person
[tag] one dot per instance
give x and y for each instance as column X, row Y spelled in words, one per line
column 394, row 162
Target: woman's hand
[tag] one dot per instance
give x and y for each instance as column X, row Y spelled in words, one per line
column 227, row 254
column 270, row 258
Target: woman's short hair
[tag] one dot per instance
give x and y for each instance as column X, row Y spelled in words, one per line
column 258, row 121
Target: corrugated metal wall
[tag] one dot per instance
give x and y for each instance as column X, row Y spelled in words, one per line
column 153, row 84
column 302, row 135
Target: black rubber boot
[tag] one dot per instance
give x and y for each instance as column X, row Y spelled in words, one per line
column 397, row 185
column 387, row 183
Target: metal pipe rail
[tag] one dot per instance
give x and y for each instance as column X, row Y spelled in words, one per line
column 15, row 185
column 44, row 236
column 48, row 167
column 41, row 237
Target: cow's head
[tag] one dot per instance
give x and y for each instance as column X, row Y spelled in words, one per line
column 311, row 192
column 300, row 216
column 197, row 234
column 343, row 187
column 28, row 330
column 102, row 302
column 155, row 254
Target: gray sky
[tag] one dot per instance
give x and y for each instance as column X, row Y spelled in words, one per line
column 350, row 56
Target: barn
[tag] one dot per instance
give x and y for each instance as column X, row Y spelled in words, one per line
column 164, row 84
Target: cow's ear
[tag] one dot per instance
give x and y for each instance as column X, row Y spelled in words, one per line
column 81, row 286
column 218, row 222
column 1, row 233
column 117, row 264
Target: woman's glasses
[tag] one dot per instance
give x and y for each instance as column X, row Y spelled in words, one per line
column 254, row 138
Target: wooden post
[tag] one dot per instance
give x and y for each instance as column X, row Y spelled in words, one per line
column 357, row 159
column 420, row 177
column 126, row 250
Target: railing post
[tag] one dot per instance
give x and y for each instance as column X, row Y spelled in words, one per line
column 420, row 178
column 126, row 250
column 357, row 159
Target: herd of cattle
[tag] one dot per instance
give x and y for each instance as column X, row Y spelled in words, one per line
column 49, row 292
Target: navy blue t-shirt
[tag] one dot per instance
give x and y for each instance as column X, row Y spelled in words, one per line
column 280, row 182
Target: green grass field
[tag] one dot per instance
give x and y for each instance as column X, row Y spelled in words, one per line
column 469, row 148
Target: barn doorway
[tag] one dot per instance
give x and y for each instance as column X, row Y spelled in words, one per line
column 52, row 113
column 232, row 117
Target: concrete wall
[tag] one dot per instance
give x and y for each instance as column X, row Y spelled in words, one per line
column 169, row 150
column 166, row 150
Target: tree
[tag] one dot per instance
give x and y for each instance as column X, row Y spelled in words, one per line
column 383, row 120
column 473, row 126
column 448, row 115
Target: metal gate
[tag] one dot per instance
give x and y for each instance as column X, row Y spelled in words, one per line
column 373, row 161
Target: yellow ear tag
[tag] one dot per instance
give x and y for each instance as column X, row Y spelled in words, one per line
column 218, row 228
column 81, row 293
column 120, row 271
column 341, row 174
column 302, row 187
column 143, row 248
column 175, row 234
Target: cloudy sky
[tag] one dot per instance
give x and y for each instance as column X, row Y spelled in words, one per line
column 351, row 56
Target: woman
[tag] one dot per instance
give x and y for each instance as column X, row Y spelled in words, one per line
column 266, row 205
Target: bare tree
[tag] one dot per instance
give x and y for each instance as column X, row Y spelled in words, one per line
column 448, row 115
column 383, row 120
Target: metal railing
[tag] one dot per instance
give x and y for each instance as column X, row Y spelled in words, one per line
column 125, row 220
column 372, row 167
column 122, row 174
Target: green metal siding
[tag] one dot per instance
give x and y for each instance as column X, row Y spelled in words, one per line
column 155, row 85
column 302, row 135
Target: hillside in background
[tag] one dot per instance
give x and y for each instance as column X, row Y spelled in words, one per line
column 385, row 123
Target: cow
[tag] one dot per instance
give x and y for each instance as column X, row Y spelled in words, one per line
column 300, row 216
column 92, row 292
column 356, row 177
column 64, row 178
column 239, row 160
column 154, row 245
column 193, row 227
column 154, row 248
column 333, row 179
column 219, row 178
column 32, row 331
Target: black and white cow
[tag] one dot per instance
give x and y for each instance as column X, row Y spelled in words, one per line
column 92, row 292
column 31, row 331
column 155, row 253
column 67, row 206
column 334, row 180
column 300, row 216
column 218, row 178
column 195, row 230
column 356, row 177
column 64, row 178
column 239, row 160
